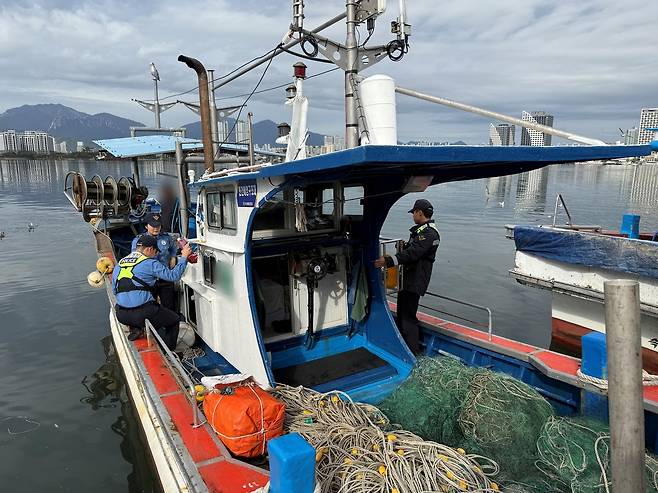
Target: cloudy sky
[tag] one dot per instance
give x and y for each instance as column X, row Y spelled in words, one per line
column 592, row 63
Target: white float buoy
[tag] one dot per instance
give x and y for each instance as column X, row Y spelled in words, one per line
column 186, row 336
column 95, row 279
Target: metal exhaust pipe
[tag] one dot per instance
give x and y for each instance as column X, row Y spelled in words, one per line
column 204, row 109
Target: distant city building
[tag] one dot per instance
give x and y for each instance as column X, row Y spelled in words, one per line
column 61, row 147
column 241, row 132
column 536, row 138
column 28, row 141
column 501, row 135
column 314, row 150
column 222, row 135
column 39, row 142
column 332, row 143
column 648, row 119
column 9, row 141
column 630, row 136
column 79, row 146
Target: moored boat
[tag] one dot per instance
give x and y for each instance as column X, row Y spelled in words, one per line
column 573, row 262
column 285, row 290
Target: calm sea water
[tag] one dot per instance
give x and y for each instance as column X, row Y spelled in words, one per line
column 65, row 421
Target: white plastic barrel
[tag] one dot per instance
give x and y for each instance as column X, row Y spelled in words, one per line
column 377, row 94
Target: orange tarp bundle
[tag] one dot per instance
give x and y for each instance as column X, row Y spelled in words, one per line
column 244, row 417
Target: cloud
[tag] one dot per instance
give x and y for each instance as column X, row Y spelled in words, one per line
column 591, row 63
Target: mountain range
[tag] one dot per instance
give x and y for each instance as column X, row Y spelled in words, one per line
column 67, row 124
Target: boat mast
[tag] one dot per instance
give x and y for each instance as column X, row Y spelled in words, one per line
column 351, row 71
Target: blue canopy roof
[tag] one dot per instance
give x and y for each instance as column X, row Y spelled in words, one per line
column 146, row 145
column 445, row 163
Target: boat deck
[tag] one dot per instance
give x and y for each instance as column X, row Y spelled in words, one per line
column 553, row 374
column 219, row 470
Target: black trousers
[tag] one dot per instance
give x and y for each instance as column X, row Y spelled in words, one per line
column 165, row 291
column 164, row 320
column 406, row 319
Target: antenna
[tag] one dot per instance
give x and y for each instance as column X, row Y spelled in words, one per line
column 351, row 57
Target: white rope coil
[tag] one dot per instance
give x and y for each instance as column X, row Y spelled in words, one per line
column 359, row 451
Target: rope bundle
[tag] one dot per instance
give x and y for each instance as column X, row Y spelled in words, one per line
column 358, row 450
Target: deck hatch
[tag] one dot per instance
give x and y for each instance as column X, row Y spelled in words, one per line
column 338, row 366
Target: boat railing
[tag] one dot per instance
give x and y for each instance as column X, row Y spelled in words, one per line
column 384, row 243
column 397, row 242
column 176, row 369
column 560, row 200
column 487, row 310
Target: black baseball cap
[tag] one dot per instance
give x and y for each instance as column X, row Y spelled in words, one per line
column 147, row 241
column 422, row 205
column 153, row 220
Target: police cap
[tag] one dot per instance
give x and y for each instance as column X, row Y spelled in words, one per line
column 147, row 241
column 422, row 205
column 153, row 220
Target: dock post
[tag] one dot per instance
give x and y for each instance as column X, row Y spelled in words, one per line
column 625, row 399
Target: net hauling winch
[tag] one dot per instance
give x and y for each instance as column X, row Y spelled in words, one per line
column 98, row 198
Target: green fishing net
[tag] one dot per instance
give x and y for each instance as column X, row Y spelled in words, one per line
column 476, row 409
column 495, row 415
column 427, row 403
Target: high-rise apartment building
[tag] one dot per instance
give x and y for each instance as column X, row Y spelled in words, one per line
column 631, row 136
column 648, row 119
column 501, row 135
column 30, row 141
column 39, row 142
column 536, row 138
column 9, row 141
column 242, row 132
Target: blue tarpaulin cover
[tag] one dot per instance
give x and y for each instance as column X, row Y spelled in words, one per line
column 637, row 257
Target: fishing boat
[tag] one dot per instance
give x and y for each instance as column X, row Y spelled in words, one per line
column 285, row 290
column 573, row 261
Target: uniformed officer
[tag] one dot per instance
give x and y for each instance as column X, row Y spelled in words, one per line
column 417, row 256
column 133, row 282
column 166, row 254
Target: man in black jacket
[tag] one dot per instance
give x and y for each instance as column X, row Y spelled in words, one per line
column 417, row 256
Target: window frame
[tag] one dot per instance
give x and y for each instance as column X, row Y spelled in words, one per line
column 222, row 195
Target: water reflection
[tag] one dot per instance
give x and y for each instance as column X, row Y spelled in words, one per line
column 497, row 190
column 106, row 389
column 642, row 184
column 44, row 276
column 531, row 188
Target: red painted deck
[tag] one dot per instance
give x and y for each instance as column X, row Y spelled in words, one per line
column 220, row 472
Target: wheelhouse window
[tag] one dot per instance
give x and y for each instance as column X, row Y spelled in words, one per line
column 222, row 213
column 319, row 206
column 353, row 200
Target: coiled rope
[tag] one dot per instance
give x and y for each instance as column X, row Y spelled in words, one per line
column 648, row 380
column 358, row 450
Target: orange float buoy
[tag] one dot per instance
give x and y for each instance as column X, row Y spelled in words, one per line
column 392, row 277
column 104, row 265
